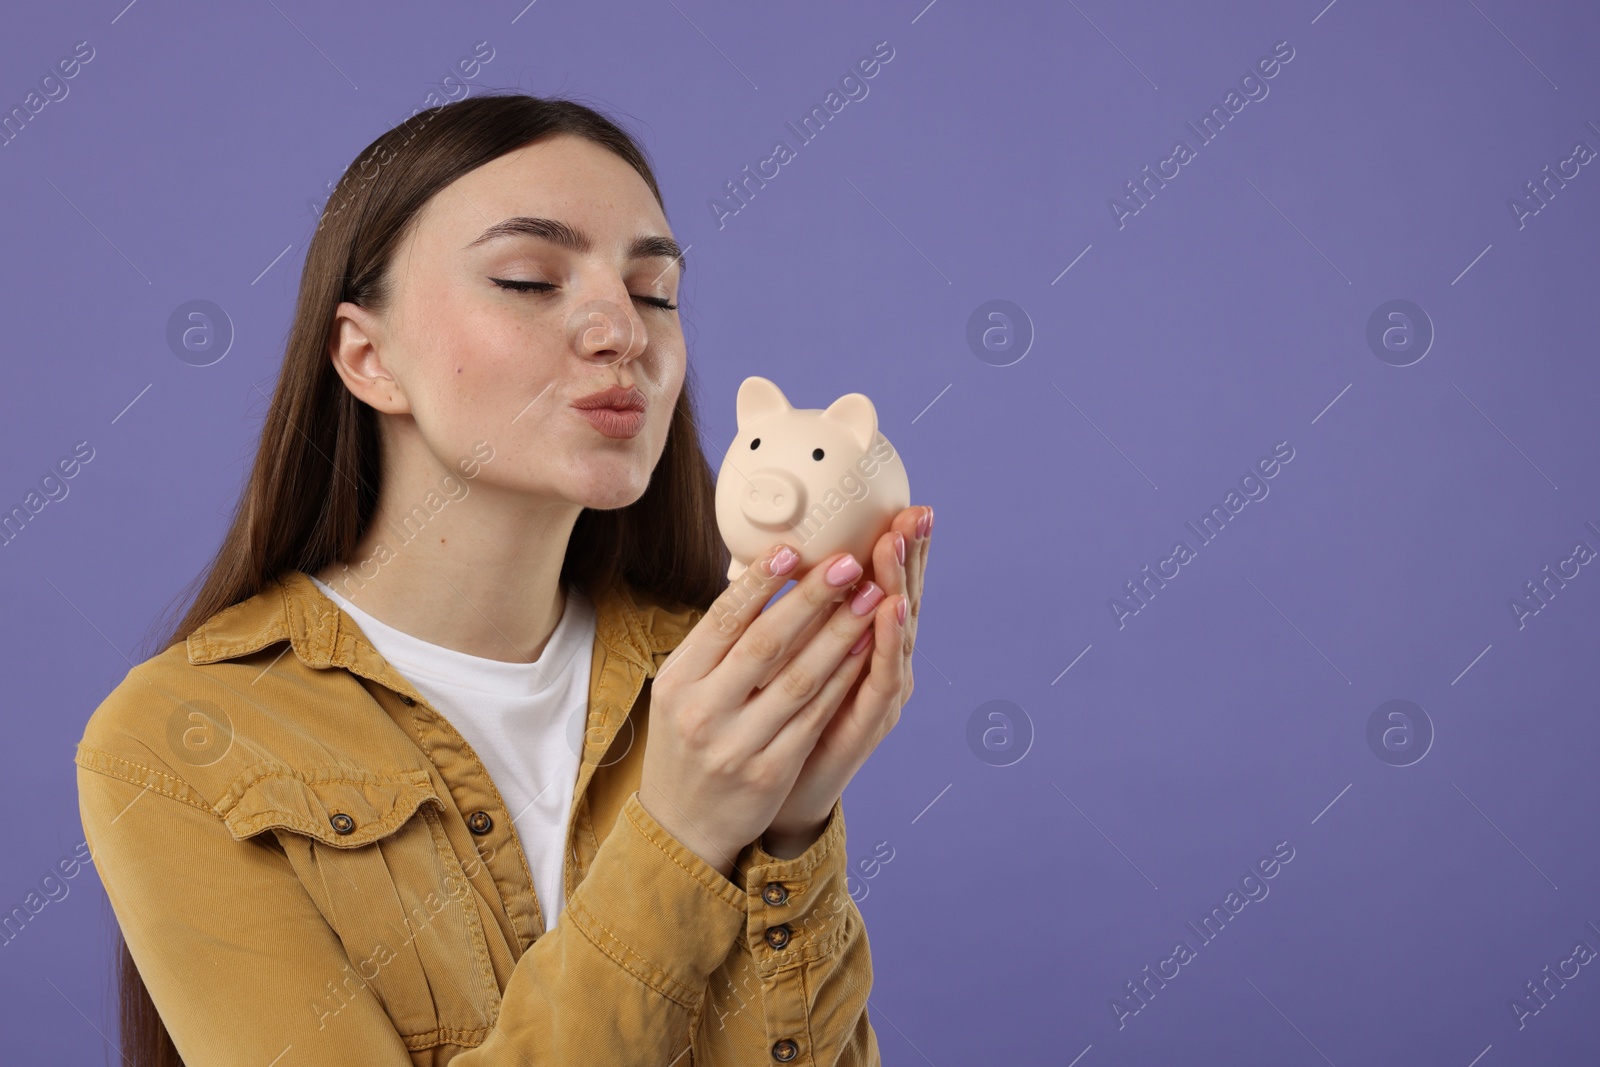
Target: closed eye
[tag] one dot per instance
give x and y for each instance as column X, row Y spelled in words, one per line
column 543, row 287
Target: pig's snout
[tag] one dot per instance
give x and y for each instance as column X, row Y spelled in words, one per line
column 773, row 498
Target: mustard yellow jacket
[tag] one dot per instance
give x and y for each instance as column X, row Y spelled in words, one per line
column 311, row 866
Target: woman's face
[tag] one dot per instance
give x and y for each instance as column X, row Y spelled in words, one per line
column 468, row 352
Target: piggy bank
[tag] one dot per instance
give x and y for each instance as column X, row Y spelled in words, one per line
column 821, row 480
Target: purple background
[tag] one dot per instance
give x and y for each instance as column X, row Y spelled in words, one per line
column 1229, row 314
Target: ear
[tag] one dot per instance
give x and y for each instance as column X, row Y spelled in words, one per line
column 759, row 398
column 354, row 341
column 855, row 410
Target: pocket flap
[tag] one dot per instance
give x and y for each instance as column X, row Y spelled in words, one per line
column 339, row 808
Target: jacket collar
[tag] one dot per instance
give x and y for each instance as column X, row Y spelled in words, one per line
column 292, row 608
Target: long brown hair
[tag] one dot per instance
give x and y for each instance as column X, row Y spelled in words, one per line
column 314, row 485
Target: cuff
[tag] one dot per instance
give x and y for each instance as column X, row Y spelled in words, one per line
column 797, row 909
column 656, row 908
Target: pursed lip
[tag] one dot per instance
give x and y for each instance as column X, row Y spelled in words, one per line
column 617, row 398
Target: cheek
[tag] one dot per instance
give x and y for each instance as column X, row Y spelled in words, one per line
column 488, row 361
column 670, row 375
column 671, row 389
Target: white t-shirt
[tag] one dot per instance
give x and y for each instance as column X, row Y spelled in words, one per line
column 525, row 721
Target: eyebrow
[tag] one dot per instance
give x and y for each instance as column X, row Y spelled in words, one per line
column 644, row 246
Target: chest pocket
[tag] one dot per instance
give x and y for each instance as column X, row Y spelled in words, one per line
column 372, row 851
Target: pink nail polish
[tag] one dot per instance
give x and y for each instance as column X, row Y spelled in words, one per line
column 900, row 611
column 900, row 549
column 845, row 571
column 866, row 598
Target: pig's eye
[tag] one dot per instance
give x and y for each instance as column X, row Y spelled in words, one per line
column 755, row 444
column 816, row 453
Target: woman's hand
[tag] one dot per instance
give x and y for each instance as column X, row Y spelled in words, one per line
column 872, row 705
column 724, row 748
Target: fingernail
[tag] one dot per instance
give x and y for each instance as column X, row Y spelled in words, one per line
column 900, row 612
column 924, row 523
column 783, row 560
column 866, row 598
column 900, row 549
column 862, row 642
column 844, row 572
column 930, row 519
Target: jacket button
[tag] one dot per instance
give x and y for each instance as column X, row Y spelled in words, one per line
column 479, row 822
column 778, row 936
column 785, row 1050
column 775, row 893
column 342, row 823
column 407, row 701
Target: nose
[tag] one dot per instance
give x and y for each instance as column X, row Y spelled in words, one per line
column 773, row 498
column 606, row 332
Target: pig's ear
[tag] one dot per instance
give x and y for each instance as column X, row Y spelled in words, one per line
column 759, row 398
column 855, row 410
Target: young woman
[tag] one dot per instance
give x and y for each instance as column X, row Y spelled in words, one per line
column 465, row 750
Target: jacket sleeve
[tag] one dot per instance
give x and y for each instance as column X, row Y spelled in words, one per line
column 240, row 961
column 794, row 989
column 622, row 977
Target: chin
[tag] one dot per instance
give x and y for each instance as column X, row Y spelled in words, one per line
column 610, row 493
